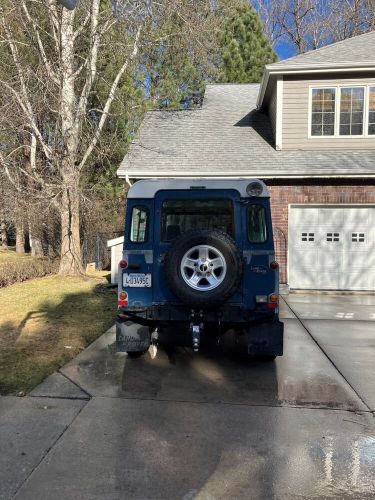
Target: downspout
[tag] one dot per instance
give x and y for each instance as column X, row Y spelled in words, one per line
column 128, row 180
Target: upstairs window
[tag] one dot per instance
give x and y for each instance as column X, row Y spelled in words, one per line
column 342, row 111
column 352, row 100
column 371, row 111
column 323, row 112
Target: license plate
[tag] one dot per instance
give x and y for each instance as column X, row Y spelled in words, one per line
column 136, row 280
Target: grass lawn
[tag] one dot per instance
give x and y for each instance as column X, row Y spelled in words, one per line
column 11, row 256
column 40, row 317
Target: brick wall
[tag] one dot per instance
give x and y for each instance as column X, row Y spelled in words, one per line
column 283, row 195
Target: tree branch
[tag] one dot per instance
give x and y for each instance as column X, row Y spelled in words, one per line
column 92, row 65
column 110, row 98
column 51, row 74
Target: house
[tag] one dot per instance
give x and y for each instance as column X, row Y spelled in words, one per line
column 307, row 130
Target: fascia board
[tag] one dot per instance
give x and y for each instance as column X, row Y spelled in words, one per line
column 242, row 175
column 307, row 69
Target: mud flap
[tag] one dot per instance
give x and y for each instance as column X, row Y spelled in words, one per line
column 266, row 339
column 131, row 337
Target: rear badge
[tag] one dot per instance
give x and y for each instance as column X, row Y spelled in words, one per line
column 258, row 269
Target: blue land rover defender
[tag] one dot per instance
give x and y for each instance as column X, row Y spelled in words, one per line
column 199, row 262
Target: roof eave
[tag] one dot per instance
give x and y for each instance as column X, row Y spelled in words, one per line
column 244, row 175
column 271, row 70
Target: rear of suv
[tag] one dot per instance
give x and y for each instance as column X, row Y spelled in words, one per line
column 199, row 262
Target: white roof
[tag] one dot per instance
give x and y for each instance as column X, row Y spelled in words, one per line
column 148, row 188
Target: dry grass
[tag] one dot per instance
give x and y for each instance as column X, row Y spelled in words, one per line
column 40, row 317
column 11, row 256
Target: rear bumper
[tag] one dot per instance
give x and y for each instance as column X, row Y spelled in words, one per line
column 259, row 338
column 253, row 332
column 169, row 313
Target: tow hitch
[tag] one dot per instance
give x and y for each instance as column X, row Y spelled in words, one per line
column 196, row 329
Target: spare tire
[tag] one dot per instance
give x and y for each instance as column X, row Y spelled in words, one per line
column 203, row 268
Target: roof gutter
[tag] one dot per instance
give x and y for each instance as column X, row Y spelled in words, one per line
column 243, row 175
column 273, row 70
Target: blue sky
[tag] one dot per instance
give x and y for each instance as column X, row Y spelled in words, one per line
column 285, row 50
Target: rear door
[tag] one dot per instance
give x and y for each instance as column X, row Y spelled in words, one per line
column 137, row 279
column 258, row 250
column 179, row 211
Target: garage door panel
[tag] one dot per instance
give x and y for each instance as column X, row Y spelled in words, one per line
column 329, row 258
column 328, row 217
column 364, row 261
column 332, row 247
column 303, row 219
column 305, row 279
column 308, row 258
column 357, row 242
column 328, row 281
column 354, row 280
column 356, row 217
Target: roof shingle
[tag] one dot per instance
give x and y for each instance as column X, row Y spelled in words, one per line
column 354, row 51
column 228, row 137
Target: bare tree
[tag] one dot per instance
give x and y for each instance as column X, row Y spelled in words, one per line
column 310, row 24
column 351, row 18
column 53, row 70
column 66, row 45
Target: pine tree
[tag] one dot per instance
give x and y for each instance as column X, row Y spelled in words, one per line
column 244, row 47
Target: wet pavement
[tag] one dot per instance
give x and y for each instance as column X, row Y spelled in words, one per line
column 208, row 425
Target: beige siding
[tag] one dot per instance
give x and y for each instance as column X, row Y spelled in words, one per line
column 296, row 115
column 272, row 109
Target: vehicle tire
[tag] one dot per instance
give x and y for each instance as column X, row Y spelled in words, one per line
column 135, row 354
column 203, row 268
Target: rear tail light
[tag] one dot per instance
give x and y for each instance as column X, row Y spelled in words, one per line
column 261, row 299
column 123, row 299
column 274, row 264
column 273, row 301
column 123, row 264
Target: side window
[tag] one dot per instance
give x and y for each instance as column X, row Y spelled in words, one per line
column 138, row 228
column 256, row 223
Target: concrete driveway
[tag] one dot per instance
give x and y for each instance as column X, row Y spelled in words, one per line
column 205, row 426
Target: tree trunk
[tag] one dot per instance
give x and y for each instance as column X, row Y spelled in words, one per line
column 20, row 236
column 3, row 235
column 71, row 259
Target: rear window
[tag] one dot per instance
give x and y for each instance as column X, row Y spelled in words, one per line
column 257, row 225
column 138, row 228
column 179, row 216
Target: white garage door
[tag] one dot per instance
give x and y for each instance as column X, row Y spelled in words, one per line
column 332, row 247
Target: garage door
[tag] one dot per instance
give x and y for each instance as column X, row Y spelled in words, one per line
column 332, row 247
